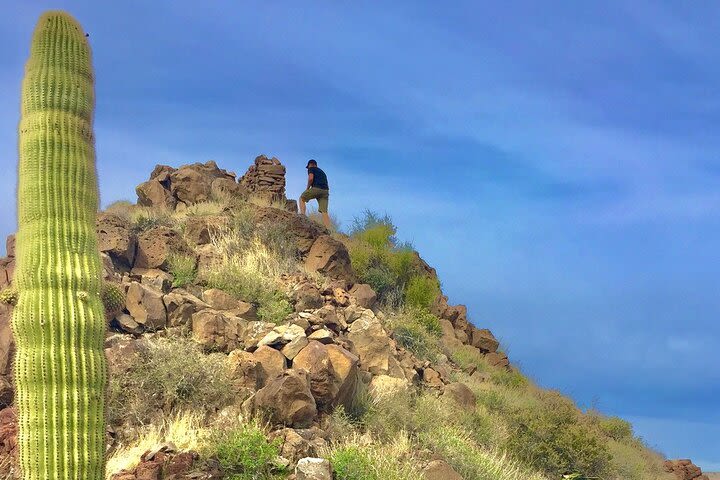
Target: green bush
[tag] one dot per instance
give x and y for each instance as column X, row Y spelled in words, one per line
column 245, row 454
column 183, row 269
column 615, row 428
column 171, row 375
column 379, row 260
column 421, row 291
column 508, row 378
column 274, row 308
column 352, row 463
column 553, row 436
column 418, row 331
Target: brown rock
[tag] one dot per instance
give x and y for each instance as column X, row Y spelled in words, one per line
column 364, row 295
column 189, row 186
column 299, row 228
column 307, row 297
column 10, row 245
column 272, row 363
column 497, row 359
column 125, row 353
column 345, row 365
column 461, row 394
column 432, row 378
column 116, row 238
column 440, row 470
column 246, row 372
column 217, row 332
column 200, row 229
column 372, row 344
column 484, row 340
column 156, row 245
column 7, row 270
column 153, row 194
column 254, row 332
column 153, row 278
column 146, row 306
column 7, row 391
column 219, row 300
column 330, row 257
column 324, row 383
column 287, row 400
column 8, row 432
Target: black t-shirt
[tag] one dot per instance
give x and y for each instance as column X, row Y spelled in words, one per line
column 319, row 178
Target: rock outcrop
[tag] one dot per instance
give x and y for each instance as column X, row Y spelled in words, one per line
column 684, row 469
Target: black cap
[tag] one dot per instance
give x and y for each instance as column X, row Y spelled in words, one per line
column 309, row 162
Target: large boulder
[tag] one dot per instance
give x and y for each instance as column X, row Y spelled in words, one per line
column 372, row 344
column 324, row 382
column 484, row 340
column 299, row 228
column 272, row 363
column 156, row 195
column 146, row 306
column 180, row 306
column 330, row 257
column 193, row 183
column 286, row 400
column 115, row 237
column 364, row 295
column 345, row 365
column 155, row 246
column 216, row 331
column 245, row 371
column 306, row 296
column 219, row 299
column 460, row 394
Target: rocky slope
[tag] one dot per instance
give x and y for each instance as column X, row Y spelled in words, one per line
column 295, row 369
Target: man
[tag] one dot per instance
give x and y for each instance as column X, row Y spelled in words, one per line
column 317, row 188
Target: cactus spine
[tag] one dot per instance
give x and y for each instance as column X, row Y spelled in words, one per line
column 59, row 326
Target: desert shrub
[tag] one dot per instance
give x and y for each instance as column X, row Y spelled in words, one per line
column 183, row 269
column 122, row 208
column 245, row 454
column 378, row 259
column 631, row 460
column 418, row 331
column 553, row 436
column 172, row 375
column 421, row 291
column 277, row 239
column 468, row 357
column 362, row 458
column 389, row 414
column 615, row 428
column 250, row 271
column 508, row 378
column 145, row 218
column 274, row 309
column 185, row 430
column 456, row 445
column 352, row 463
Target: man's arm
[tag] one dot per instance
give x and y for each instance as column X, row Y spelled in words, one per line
column 311, row 177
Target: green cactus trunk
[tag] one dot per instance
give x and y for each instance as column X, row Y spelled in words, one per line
column 59, row 325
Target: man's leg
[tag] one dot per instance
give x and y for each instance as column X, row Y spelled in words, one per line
column 301, row 202
column 326, row 220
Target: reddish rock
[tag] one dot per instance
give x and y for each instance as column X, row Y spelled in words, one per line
column 484, row 340
column 115, row 237
column 364, row 295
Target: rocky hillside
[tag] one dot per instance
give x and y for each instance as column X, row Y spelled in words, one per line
column 253, row 343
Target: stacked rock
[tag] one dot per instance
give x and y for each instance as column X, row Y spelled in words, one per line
column 265, row 180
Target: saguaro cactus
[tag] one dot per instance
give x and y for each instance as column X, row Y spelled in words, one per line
column 58, row 322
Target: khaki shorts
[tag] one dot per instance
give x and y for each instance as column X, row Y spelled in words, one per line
column 320, row 194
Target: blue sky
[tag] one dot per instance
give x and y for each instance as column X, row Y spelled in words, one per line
column 558, row 163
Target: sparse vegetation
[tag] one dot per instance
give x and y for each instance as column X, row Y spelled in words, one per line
column 171, row 375
column 245, row 454
column 380, row 260
column 183, row 269
column 421, row 292
column 418, row 331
